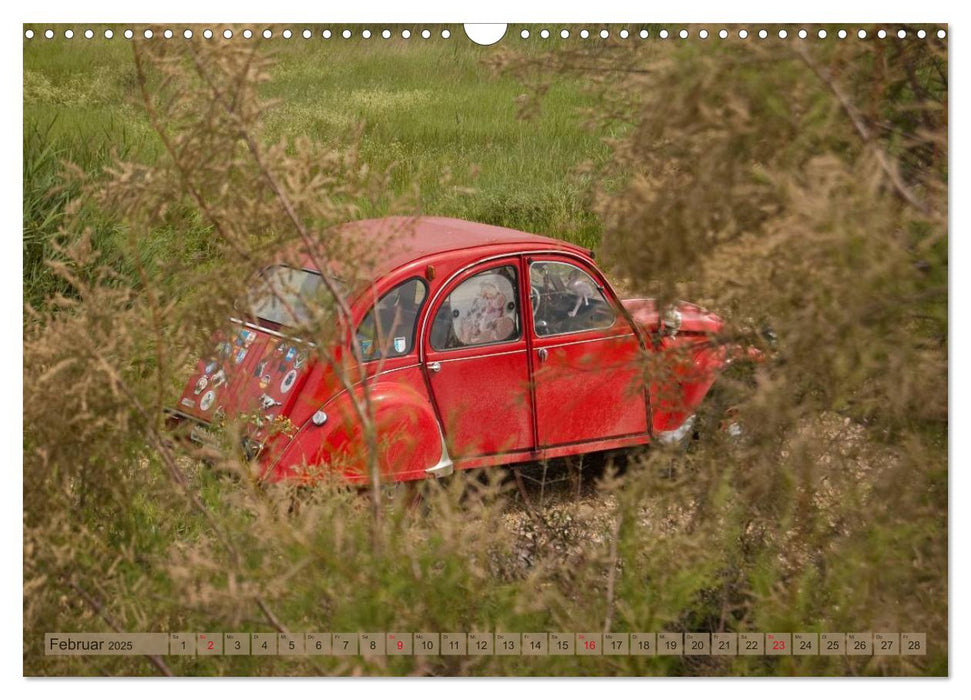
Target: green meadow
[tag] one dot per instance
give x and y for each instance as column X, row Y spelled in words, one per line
column 430, row 111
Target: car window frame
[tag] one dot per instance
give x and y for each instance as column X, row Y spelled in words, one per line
column 416, row 326
column 594, row 275
column 480, row 268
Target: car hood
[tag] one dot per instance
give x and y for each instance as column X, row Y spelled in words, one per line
column 694, row 319
column 250, row 372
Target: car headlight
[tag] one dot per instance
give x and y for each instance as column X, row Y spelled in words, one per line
column 672, row 320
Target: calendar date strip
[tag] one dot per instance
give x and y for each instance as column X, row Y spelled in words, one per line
column 487, row 644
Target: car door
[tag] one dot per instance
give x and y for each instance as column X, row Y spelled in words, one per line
column 475, row 351
column 586, row 357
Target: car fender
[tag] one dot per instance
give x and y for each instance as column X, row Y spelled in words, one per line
column 410, row 444
column 694, row 365
column 690, row 369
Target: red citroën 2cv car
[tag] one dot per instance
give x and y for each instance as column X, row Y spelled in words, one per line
column 474, row 345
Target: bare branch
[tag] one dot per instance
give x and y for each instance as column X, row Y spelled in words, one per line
column 884, row 160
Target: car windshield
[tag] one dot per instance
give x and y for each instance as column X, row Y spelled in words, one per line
column 289, row 296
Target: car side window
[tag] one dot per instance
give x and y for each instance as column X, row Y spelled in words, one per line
column 388, row 329
column 482, row 310
column 565, row 299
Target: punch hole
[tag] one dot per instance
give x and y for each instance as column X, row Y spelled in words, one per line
column 841, row 33
column 683, row 34
column 167, row 33
column 207, row 34
column 881, row 34
column 624, row 33
column 129, row 33
column 406, row 34
column 327, row 34
column 109, row 34
column 723, row 34
column 703, row 33
column 783, row 34
column 742, row 33
column 346, row 33
column 148, row 34
column 306, row 34
column 29, row 34
column 901, row 34
column 88, row 34
column 584, row 34
column 763, row 34
column 287, row 34
column 247, row 34
column 544, row 34
column 524, row 34
column 604, row 34
column 487, row 34
column 267, row 33
column 446, row 34
column 643, row 34
column 663, row 34
column 187, row 33
column 821, row 34
column 69, row 34
column 921, row 34
column 861, row 34
column 227, row 34
column 386, row 34
column 941, row 33
column 564, row 34
column 366, row 34
column 425, row 34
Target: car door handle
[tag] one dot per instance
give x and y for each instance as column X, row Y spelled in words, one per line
column 435, row 366
column 543, row 354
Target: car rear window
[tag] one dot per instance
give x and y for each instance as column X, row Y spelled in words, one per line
column 290, row 296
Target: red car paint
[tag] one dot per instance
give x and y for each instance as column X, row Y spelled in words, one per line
column 506, row 362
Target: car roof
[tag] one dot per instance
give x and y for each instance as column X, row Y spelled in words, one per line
column 396, row 241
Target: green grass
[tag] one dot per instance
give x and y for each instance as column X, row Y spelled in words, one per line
column 434, row 108
column 431, row 111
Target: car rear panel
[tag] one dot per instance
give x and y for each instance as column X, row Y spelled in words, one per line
column 250, row 371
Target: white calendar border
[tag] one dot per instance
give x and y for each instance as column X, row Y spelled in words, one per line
column 764, row 11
